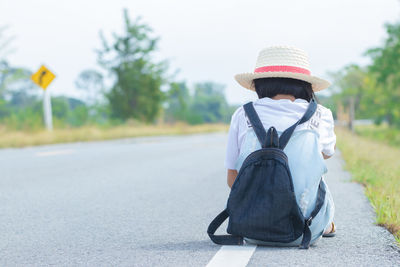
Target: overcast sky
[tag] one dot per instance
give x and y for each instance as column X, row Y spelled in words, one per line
column 205, row 40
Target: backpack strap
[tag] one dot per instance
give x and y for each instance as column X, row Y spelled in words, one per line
column 305, row 243
column 272, row 138
column 263, row 137
column 285, row 136
column 222, row 239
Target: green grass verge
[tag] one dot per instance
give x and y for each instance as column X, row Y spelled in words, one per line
column 9, row 138
column 376, row 165
column 383, row 133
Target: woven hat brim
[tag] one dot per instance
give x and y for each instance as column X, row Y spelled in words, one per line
column 246, row 79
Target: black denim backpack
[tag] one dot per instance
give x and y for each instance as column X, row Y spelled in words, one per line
column 262, row 204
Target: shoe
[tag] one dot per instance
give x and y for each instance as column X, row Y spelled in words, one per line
column 332, row 233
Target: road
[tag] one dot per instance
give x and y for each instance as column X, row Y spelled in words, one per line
column 148, row 202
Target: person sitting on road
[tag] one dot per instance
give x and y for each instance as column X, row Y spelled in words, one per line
column 285, row 87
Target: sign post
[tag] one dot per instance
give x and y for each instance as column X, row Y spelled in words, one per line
column 48, row 119
column 43, row 77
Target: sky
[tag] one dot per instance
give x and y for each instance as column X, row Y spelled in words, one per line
column 203, row 40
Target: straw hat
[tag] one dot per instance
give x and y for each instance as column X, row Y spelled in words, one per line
column 282, row 61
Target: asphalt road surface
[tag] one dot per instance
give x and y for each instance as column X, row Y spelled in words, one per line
column 148, row 202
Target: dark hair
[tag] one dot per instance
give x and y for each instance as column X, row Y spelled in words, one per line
column 270, row 87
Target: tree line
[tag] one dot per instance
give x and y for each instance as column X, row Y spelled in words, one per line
column 374, row 89
column 130, row 86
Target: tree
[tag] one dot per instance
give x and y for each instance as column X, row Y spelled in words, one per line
column 385, row 68
column 178, row 101
column 136, row 92
column 5, row 43
column 5, row 70
column 209, row 103
column 92, row 84
column 349, row 86
column 16, row 85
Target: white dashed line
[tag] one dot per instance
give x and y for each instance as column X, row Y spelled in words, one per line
column 54, row 153
column 232, row 256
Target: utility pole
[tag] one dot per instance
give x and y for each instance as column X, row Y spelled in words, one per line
column 351, row 113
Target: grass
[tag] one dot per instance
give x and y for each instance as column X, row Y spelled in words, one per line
column 9, row 138
column 383, row 133
column 376, row 165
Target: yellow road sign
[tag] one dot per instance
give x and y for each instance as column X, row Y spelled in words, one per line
column 43, row 77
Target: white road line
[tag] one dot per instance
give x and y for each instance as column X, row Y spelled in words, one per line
column 232, row 256
column 55, row 152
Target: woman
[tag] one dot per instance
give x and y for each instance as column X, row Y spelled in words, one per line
column 284, row 85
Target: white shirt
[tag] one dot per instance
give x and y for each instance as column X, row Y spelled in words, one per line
column 281, row 114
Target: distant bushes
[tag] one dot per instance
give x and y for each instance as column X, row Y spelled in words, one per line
column 140, row 89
